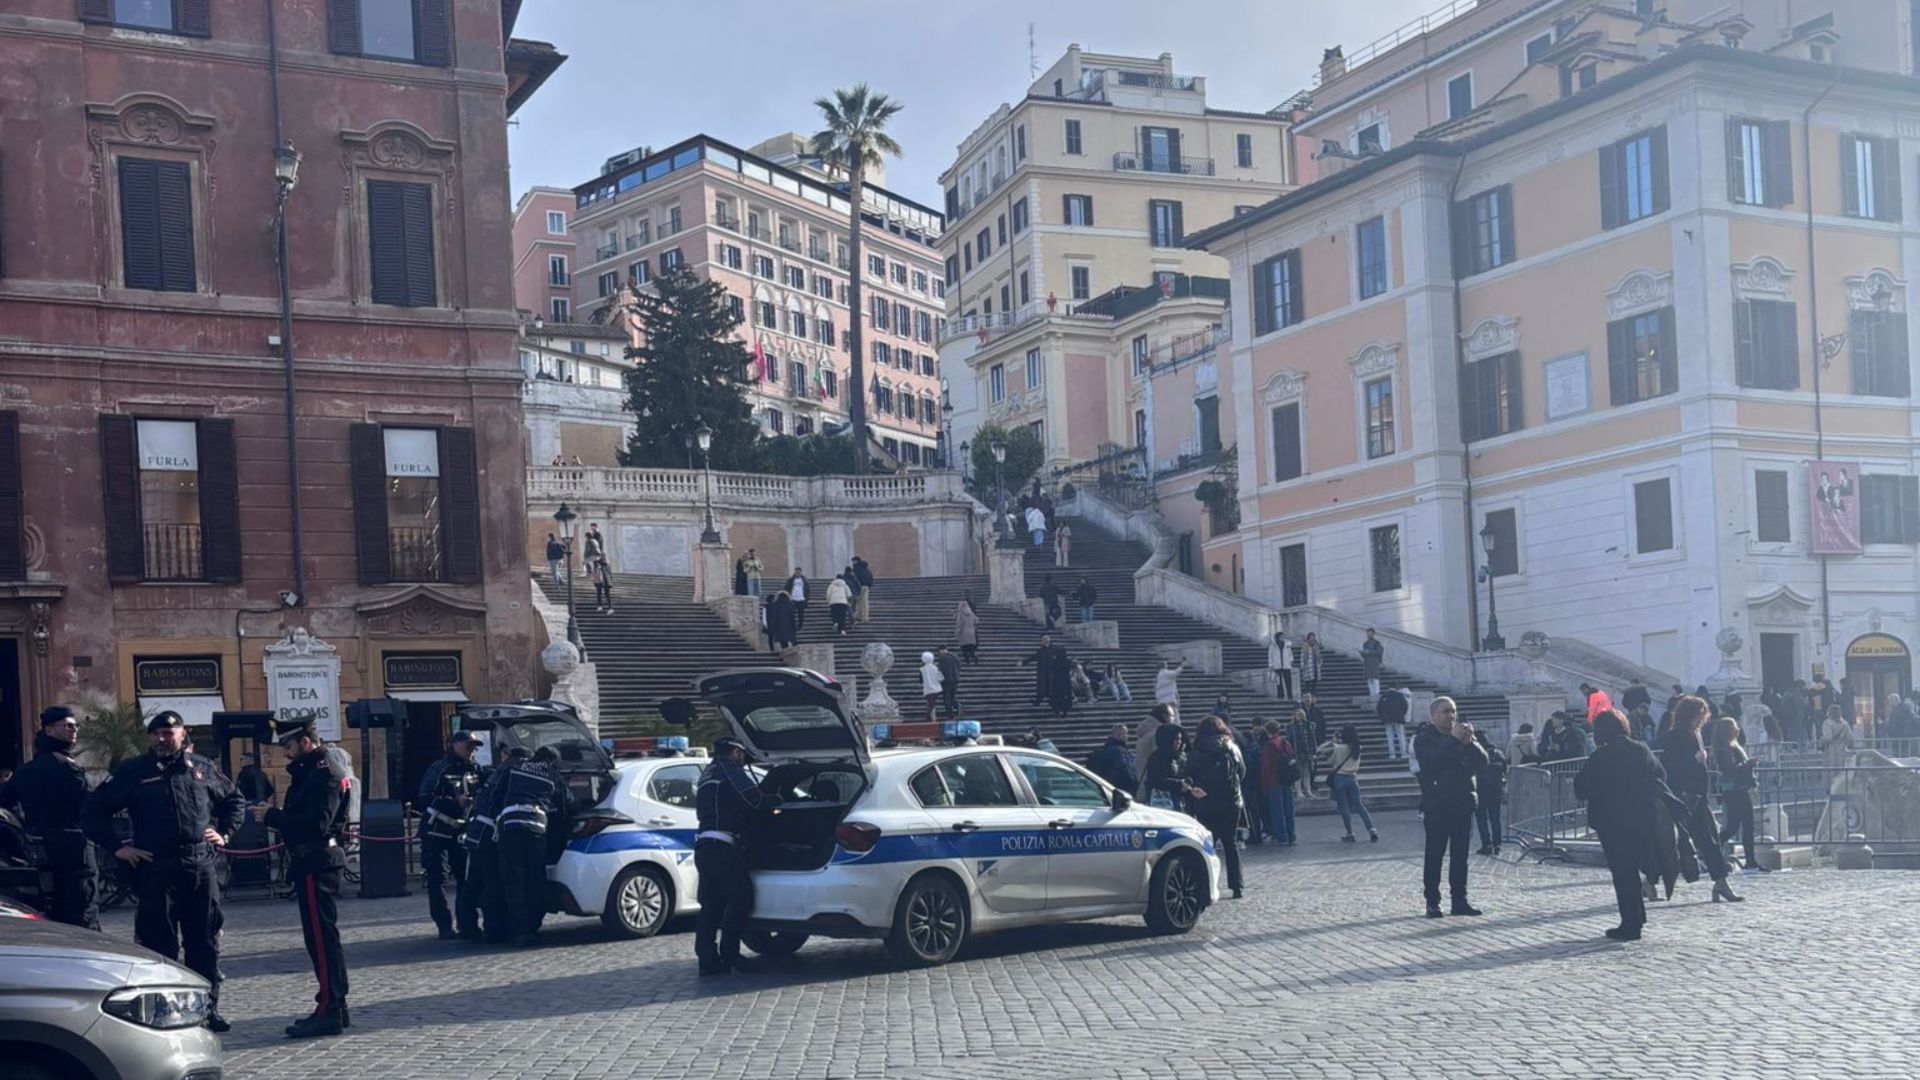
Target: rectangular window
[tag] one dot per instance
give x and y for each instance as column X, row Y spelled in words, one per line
column 997, row 383
column 1140, row 428
column 797, row 377
column 953, row 269
column 1369, row 140
column 796, row 278
column 763, row 267
column 877, row 266
column 1889, row 509
column 556, row 223
column 1490, row 397
column 1586, row 76
column 1652, row 516
column 1293, row 575
column 966, row 257
column 882, row 354
column 1277, row 286
column 899, row 272
column 609, row 283
column 1000, row 233
column 156, row 225
column 1483, row 231
column 982, row 245
column 1243, row 150
column 1877, row 343
column 639, row 272
column 416, row 30
column 1076, row 209
column 416, row 504
column 902, row 320
column 1164, row 224
column 1033, row 369
column 1206, row 424
column 1870, row 177
column 1019, row 215
column 766, row 314
column 1633, row 179
column 1643, row 360
column 799, row 327
column 920, row 281
column 1759, row 162
column 561, row 309
column 1383, row 556
column 1020, row 143
column 736, row 307
column 1379, row 398
column 1766, row 344
column 1504, row 561
column 557, row 270
column 1370, row 252
column 1538, row 47
column 1006, row 298
column 669, row 260
column 1459, row 96
column 1287, row 453
column 170, row 499
column 1080, row 282
column 1772, row 524
column 1073, row 136
column 730, row 257
column 1160, row 149
column 1140, row 354
column 1026, row 289
column 400, row 236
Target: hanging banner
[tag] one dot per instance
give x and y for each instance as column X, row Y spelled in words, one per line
column 412, row 451
column 168, row 445
column 1833, row 494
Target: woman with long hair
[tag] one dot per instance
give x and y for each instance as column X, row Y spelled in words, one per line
column 1310, row 665
column 1343, row 780
column 1219, row 770
column 1619, row 782
column 1164, row 781
column 1684, row 756
column 1733, row 769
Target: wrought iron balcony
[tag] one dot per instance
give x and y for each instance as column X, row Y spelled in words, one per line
column 1128, row 161
column 173, row 552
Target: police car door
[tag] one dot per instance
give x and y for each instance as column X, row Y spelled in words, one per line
column 983, row 822
column 1096, row 858
column 666, row 809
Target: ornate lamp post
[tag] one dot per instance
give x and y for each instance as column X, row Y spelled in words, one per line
column 999, row 448
column 703, row 438
column 1489, row 543
column 565, row 518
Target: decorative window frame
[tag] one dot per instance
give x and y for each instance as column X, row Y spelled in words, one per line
column 1494, row 335
column 1861, row 287
column 1639, row 292
column 158, row 128
column 1629, row 518
column 1365, row 120
column 399, row 151
column 1374, row 360
column 1799, row 521
column 1384, row 597
column 1764, row 278
column 1285, row 387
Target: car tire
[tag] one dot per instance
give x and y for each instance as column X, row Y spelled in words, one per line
column 773, row 943
column 930, row 922
column 1176, row 893
column 639, row 902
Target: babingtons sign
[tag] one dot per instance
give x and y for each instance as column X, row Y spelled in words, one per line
column 303, row 683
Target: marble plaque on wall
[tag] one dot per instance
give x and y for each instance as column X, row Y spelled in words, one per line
column 656, row 549
column 1567, row 389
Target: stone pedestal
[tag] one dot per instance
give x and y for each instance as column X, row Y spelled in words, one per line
column 1532, row 705
column 575, row 682
column 1854, row 854
column 1006, row 576
column 879, row 705
column 814, row 657
column 1201, row 657
column 1732, row 678
column 743, row 615
column 1100, row 633
column 1259, row 681
column 713, row 576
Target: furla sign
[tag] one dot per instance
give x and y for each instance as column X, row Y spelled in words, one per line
column 303, row 682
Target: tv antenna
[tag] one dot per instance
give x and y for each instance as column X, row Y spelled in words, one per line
column 1033, row 55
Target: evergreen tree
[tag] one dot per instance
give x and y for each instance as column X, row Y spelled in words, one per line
column 689, row 370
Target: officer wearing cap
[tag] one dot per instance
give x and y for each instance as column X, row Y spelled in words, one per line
column 310, row 824
column 50, row 790
column 533, row 802
column 181, row 807
column 724, row 802
column 445, row 802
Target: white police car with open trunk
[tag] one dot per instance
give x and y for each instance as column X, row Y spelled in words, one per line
column 630, row 858
column 925, row 847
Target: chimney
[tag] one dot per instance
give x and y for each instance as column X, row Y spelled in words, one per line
column 1333, row 64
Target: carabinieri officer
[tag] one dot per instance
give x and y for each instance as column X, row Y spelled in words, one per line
column 724, row 802
column 310, row 823
column 51, row 789
column 182, row 808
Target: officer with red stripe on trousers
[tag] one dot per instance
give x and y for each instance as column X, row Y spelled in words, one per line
column 310, row 822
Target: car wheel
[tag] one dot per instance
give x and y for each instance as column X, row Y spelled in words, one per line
column 773, row 942
column 639, row 902
column 929, row 922
column 1176, row 894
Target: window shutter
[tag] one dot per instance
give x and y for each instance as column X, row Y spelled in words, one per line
column 1669, row 353
column 1849, row 176
column 1657, row 150
column 1744, row 345
column 386, row 241
column 192, row 17
column 1296, row 299
column 343, row 27
column 3, row 223
column 1516, row 402
column 1462, row 226
column 1503, row 198
column 436, row 32
column 1895, row 368
column 1785, row 350
column 1652, row 516
column 1886, row 179
column 1066, row 211
column 120, row 498
column 1909, row 509
column 418, row 240
column 1620, row 362
column 1286, row 442
column 219, row 502
column 96, row 11
column 1771, row 519
column 1779, row 164
column 1471, row 427
column 367, row 452
column 13, row 508
column 1262, row 297
column 173, row 183
column 1089, row 205
column 1173, row 150
column 1180, row 226
column 460, row 504
column 1737, row 163
column 1611, row 196
column 139, row 224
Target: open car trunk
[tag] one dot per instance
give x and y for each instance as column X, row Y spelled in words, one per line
column 587, row 766
column 814, row 799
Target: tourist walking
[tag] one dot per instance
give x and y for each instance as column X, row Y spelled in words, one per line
column 930, row 684
column 602, row 585
column 1279, row 771
column 1217, row 768
column 1684, row 757
column 1166, row 687
column 782, row 623
column 1113, row 762
column 949, row 680
column 1450, row 763
column 863, row 592
column 1085, row 594
column 556, row 551
column 755, row 568
column 797, row 592
column 1371, row 655
column 1037, row 525
column 1301, row 734
column 1343, row 780
column 1620, row 784
column 840, row 602
column 596, row 548
column 1310, row 666
column 1280, row 660
column 1063, row 545
column 1391, row 710
column 1252, row 742
column 1492, row 783
column 966, row 631
column 1734, row 775
column 1165, row 782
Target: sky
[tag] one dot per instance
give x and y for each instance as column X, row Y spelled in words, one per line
column 653, row 72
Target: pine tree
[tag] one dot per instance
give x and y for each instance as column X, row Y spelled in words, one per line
column 688, row 370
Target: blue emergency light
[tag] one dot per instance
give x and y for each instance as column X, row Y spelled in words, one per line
column 880, row 733
column 666, row 743
column 960, row 729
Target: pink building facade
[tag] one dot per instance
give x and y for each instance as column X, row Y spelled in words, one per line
column 543, row 254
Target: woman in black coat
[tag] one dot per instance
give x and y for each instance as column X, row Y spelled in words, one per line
column 1685, row 757
column 780, row 621
column 1165, row 780
column 1619, row 783
column 1217, row 766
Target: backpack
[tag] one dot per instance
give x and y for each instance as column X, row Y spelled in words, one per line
column 1286, row 767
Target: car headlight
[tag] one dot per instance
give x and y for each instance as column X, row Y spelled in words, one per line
column 164, row 1007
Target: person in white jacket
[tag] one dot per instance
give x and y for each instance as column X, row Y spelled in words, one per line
column 930, row 683
column 1166, row 687
column 839, row 601
column 1037, row 525
column 1280, row 659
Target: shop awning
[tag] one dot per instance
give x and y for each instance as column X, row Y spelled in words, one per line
column 427, row 695
column 196, row 709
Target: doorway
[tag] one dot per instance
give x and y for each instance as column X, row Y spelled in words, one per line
column 423, row 740
column 1877, row 665
column 13, row 706
column 1778, row 662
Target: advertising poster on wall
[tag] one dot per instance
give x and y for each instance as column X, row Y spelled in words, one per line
column 1833, row 495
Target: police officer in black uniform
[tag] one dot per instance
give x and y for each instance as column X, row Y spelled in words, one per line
column 51, row 789
column 445, row 802
column 181, row 807
column 480, row 884
column 725, row 803
column 533, row 800
column 311, row 823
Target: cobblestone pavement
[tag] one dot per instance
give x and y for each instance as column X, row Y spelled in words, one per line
column 1326, row 969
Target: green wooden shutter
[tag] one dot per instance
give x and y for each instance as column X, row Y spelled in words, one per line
column 460, row 504
column 1778, row 139
column 1657, row 150
column 13, row 502
column 1286, row 442
column 1472, row 428
column 1886, row 179
column 1744, row 345
column 1669, row 353
column 1503, row 198
column 1737, row 163
column 1612, row 198
column 1850, row 175
column 367, row 453
column 139, row 224
column 1296, row 289
column 96, row 11
column 1620, row 362
column 1786, row 345
column 219, row 501
column 417, row 199
column 120, row 500
column 1262, row 297
column 174, row 200
column 1516, row 401
column 1461, row 225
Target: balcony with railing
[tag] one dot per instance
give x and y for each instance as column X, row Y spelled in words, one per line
column 727, row 221
column 559, row 278
column 1004, row 322
column 788, row 243
column 758, row 232
column 606, row 251
column 414, row 554
column 635, row 240
column 173, row 552
column 1129, row 161
column 1125, row 301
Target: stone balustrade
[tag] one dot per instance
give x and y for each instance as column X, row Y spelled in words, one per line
column 735, row 490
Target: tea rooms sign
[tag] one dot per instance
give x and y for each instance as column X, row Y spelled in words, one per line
column 303, row 682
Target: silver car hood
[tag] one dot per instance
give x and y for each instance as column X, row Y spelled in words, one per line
column 36, row 953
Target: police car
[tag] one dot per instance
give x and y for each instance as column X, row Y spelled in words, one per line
column 923, row 848
column 630, row 859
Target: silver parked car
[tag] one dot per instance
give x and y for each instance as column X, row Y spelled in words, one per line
column 76, row 1005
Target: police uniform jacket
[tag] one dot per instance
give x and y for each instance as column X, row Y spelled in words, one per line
column 171, row 801
column 530, row 792
column 441, row 789
column 726, row 799
column 314, row 814
column 51, row 789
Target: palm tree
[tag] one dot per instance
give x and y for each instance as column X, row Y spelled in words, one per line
column 110, row 732
column 852, row 142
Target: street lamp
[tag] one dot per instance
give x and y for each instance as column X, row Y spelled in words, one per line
column 999, row 448
column 703, row 437
column 286, row 167
column 565, row 518
column 1490, row 542
column 966, row 463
